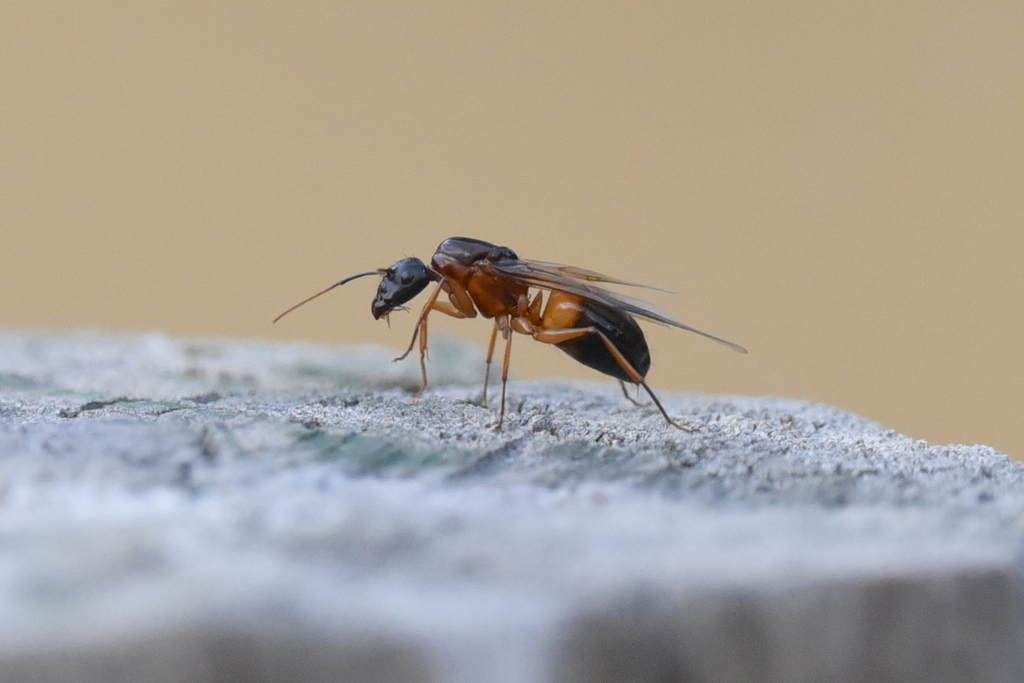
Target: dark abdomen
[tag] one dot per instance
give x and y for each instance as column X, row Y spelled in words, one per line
column 622, row 331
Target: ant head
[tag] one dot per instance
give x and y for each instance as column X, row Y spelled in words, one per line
column 401, row 283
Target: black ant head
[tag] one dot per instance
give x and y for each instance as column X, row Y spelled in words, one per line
column 401, row 283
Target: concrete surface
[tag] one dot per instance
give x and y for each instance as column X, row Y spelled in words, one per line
column 210, row 510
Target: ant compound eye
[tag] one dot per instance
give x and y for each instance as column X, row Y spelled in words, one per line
column 407, row 278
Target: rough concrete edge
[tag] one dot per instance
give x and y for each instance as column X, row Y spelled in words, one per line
column 942, row 626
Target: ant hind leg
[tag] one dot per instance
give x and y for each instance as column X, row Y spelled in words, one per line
column 625, row 392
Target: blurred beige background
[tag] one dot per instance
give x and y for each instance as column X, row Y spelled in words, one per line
column 838, row 187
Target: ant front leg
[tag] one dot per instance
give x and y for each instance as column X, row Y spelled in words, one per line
column 446, row 307
column 427, row 307
column 423, row 358
column 421, row 331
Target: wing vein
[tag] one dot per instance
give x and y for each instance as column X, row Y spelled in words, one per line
column 554, row 276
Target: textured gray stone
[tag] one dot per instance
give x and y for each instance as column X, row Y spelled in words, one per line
column 207, row 510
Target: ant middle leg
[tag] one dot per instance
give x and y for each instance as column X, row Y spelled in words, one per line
column 506, row 332
column 487, row 365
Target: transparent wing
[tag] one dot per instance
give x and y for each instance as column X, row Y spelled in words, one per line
column 560, row 271
column 554, row 276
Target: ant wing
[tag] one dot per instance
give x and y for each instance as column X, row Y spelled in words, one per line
column 558, row 270
column 554, row 276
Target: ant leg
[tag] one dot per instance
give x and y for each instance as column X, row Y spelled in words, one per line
column 487, row 366
column 629, row 398
column 507, row 334
column 563, row 335
column 672, row 422
column 427, row 307
column 433, row 304
column 423, row 358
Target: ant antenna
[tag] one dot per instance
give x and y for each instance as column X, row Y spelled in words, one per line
column 379, row 271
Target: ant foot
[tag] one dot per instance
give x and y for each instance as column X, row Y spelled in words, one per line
column 688, row 430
